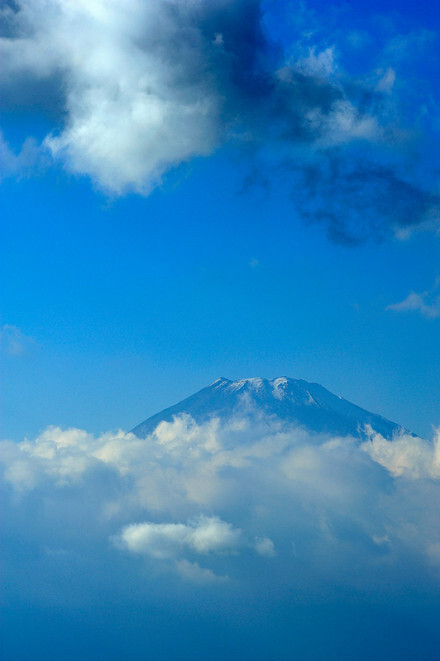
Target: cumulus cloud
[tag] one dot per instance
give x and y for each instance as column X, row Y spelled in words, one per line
column 133, row 89
column 161, row 540
column 204, row 535
column 427, row 303
column 198, row 498
column 406, row 456
column 139, row 94
column 225, row 517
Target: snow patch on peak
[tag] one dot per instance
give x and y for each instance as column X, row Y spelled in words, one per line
column 220, row 382
column 255, row 383
column 281, row 381
column 292, row 401
column 279, row 387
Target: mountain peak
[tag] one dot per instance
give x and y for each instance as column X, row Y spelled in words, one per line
column 293, row 401
column 219, row 382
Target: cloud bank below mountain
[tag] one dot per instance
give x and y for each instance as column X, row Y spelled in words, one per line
column 221, row 489
column 221, row 513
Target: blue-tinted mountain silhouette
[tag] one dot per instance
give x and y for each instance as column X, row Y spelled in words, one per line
column 293, row 401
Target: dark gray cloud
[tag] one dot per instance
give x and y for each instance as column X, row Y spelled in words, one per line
column 357, row 199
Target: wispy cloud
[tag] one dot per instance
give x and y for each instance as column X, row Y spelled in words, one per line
column 19, row 164
column 426, row 303
column 14, row 342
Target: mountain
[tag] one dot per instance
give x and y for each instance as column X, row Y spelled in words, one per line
column 294, row 401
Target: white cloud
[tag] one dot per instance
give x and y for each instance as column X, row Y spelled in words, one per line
column 210, row 501
column 134, row 89
column 138, row 99
column 406, row 456
column 203, row 535
column 140, row 87
column 225, row 526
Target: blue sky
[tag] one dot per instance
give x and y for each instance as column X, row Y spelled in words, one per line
column 134, row 303
column 202, row 189
column 137, row 288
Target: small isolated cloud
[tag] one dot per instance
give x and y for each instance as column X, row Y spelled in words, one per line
column 14, row 342
column 204, row 535
column 265, row 546
column 427, row 303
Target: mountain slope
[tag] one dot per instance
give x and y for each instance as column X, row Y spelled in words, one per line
column 294, row 401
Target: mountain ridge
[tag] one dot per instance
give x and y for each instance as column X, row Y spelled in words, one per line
column 294, row 401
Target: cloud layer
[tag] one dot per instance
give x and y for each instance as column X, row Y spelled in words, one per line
column 134, row 89
column 213, row 492
column 228, row 521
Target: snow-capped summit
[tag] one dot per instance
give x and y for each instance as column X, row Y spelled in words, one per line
column 293, row 401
